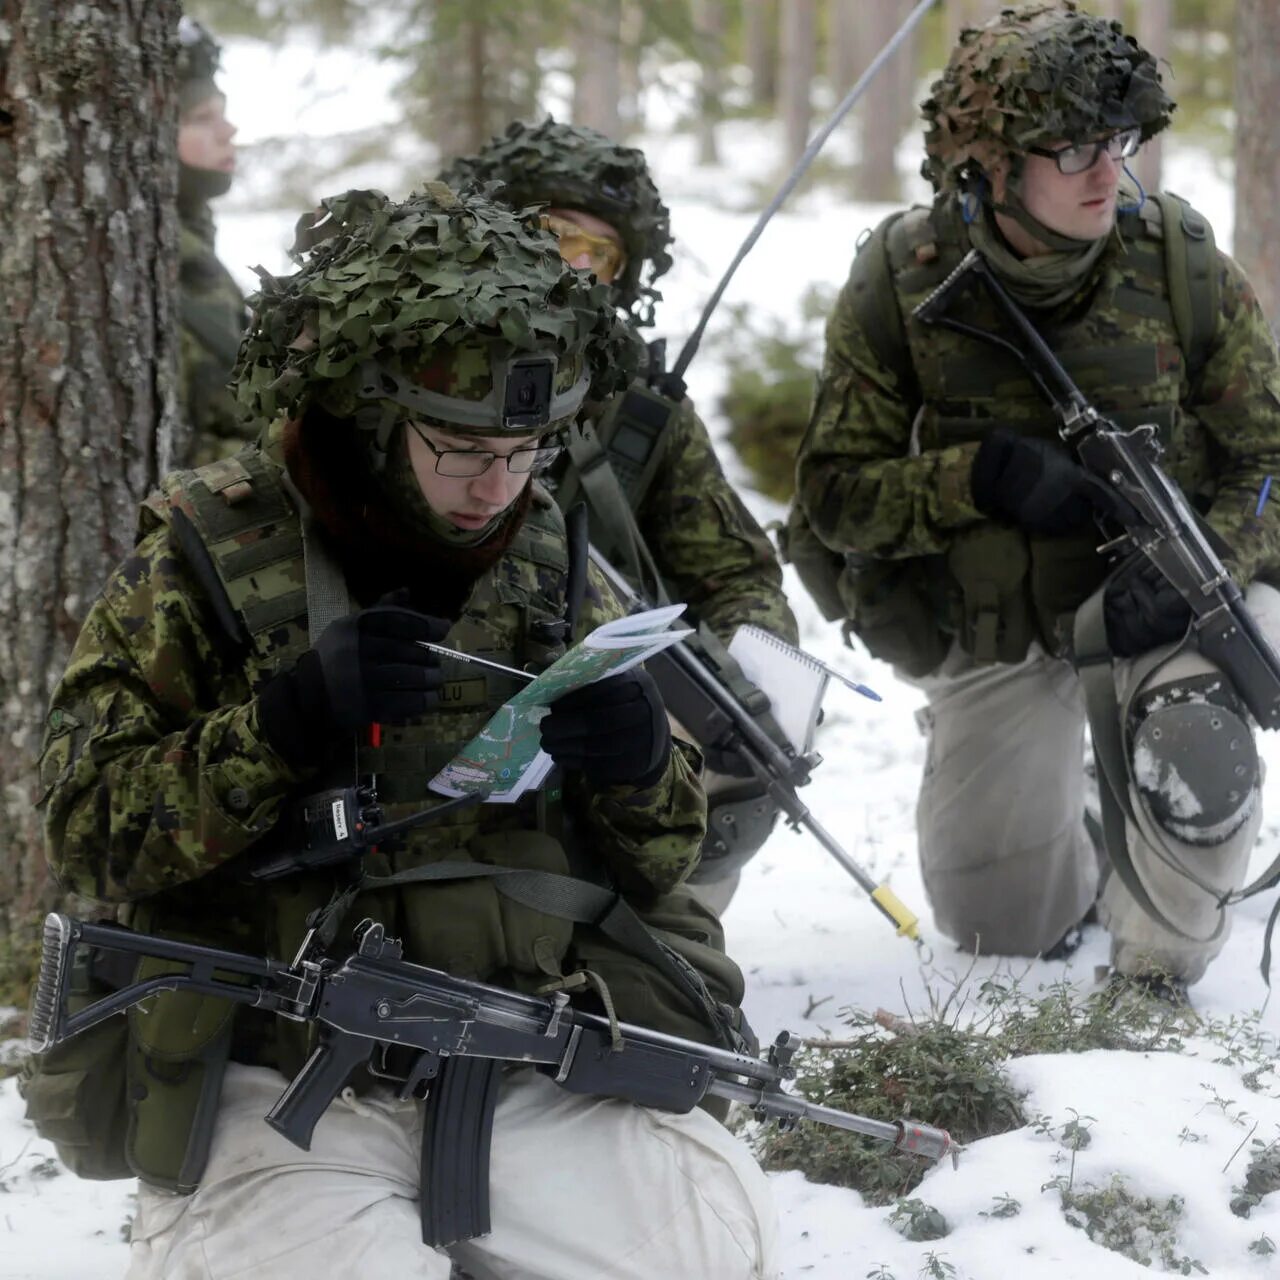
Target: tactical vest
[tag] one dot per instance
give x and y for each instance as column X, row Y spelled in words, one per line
column 1134, row 346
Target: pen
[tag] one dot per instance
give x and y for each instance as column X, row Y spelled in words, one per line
column 852, row 684
column 483, row 662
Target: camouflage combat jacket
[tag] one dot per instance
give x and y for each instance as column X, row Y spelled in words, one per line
column 214, row 316
column 156, row 779
column 883, row 471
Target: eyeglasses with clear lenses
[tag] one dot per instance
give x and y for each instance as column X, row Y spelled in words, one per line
column 468, row 463
column 1076, row 159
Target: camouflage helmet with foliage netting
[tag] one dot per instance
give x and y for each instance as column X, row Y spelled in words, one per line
column 1036, row 74
column 198, row 58
column 573, row 167
column 446, row 304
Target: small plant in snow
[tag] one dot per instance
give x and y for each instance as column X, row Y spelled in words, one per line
column 1264, row 1246
column 1137, row 1227
column 918, row 1221
column 1075, row 1133
column 1006, row 1207
column 1260, row 1179
column 935, row 1268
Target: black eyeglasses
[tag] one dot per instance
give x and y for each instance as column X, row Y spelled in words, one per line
column 461, row 463
column 1084, row 155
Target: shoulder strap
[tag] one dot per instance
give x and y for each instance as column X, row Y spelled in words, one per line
column 1191, row 265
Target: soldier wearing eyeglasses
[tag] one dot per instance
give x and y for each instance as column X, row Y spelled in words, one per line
column 939, row 514
column 275, row 634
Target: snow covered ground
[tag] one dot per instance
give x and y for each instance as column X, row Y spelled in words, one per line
column 808, row 938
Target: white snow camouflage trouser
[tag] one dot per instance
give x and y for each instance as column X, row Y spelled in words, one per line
column 1007, row 864
column 580, row 1188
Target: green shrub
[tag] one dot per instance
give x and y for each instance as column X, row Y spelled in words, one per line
column 947, row 1070
column 772, row 370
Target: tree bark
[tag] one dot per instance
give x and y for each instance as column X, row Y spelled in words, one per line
column 1154, row 33
column 88, row 360
column 597, row 27
column 798, row 58
column 847, row 54
column 1257, row 228
column 630, row 88
column 885, row 110
column 759, row 38
column 709, row 24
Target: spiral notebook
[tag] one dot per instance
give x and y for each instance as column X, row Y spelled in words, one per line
column 793, row 680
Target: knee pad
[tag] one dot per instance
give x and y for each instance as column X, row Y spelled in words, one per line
column 1193, row 758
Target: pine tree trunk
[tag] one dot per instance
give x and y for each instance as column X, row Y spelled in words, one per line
column 630, row 89
column 886, row 107
column 1257, row 235
column 709, row 23
column 759, row 38
column 847, row 54
column 1154, row 32
column 88, row 342
column 798, row 59
column 597, row 26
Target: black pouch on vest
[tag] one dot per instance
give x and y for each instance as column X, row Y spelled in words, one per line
column 990, row 564
column 892, row 610
column 75, row 1092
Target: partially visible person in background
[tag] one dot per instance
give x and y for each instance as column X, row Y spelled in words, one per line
column 213, row 309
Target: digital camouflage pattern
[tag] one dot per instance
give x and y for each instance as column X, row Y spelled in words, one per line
column 214, row 316
column 155, row 773
column 1037, row 74
column 573, row 167
column 883, row 472
column 393, row 282
column 705, row 542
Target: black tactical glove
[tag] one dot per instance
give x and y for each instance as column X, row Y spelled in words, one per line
column 367, row 667
column 1141, row 610
column 613, row 731
column 1037, row 486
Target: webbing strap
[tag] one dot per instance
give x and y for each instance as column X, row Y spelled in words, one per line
column 568, row 898
column 327, row 596
column 1092, row 659
column 613, row 514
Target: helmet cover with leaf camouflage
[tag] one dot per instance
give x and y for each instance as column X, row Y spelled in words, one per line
column 450, row 306
column 572, row 167
column 1033, row 75
column 198, row 58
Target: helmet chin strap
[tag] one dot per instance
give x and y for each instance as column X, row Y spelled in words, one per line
column 1012, row 207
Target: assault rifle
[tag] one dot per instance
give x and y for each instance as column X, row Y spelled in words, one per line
column 1158, row 523
column 431, row 1034
column 697, row 698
